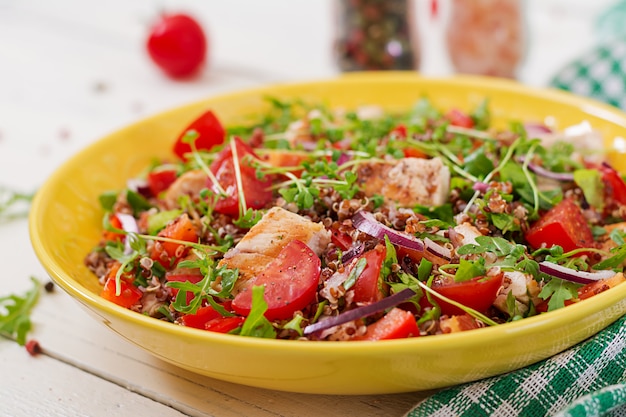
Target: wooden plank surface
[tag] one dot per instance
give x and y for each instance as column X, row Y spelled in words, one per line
column 73, row 71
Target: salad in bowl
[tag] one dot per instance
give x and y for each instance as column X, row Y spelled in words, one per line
column 325, row 223
column 273, row 237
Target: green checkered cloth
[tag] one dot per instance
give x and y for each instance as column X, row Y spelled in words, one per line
column 586, row 380
column 599, row 74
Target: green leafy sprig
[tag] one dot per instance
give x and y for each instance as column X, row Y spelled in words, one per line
column 15, row 312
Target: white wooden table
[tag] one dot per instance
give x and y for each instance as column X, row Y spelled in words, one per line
column 72, row 71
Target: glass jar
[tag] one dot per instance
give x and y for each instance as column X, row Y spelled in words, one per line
column 375, row 35
column 486, row 37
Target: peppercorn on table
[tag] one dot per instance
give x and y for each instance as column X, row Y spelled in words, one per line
column 75, row 71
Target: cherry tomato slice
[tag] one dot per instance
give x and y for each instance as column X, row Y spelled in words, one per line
column 614, row 186
column 224, row 324
column 340, row 238
column 478, row 293
column 180, row 229
column 129, row 294
column 290, row 283
column 112, row 236
column 399, row 131
column 367, row 287
column 256, row 191
column 458, row 118
column 210, row 133
column 192, row 278
column 397, row 324
column 160, row 180
column 563, row 225
column 200, row 318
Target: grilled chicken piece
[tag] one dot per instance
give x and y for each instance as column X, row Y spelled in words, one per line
column 190, row 183
column 407, row 182
column 268, row 237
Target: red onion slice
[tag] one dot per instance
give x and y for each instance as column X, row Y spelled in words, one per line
column 367, row 223
column 352, row 253
column 437, row 250
column 129, row 225
column 559, row 176
column 539, row 170
column 534, row 129
column 580, row 277
column 359, row 312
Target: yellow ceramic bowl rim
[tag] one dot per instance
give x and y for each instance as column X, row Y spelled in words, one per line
column 544, row 322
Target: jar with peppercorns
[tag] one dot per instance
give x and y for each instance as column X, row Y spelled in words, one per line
column 375, row 35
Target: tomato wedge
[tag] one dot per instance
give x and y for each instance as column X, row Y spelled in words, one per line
column 614, row 186
column 460, row 119
column 210, row 133
column 397, row 324
column 290, row 283
column 256, row 191
column 563, row 225
column 224, row 324
column 129, row 294
column 192, row 278
column 367, row 287
column 180, row 229
column 200, row 318
column 160, row 180
column 478, row 293
column 112, row 236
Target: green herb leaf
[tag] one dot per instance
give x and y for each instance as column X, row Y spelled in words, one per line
column 557, row 291
column 159, row 220
column 355, row 273
column 256, row 325
column 470, row 269
column 590, row 182
column 137, row 202
column 15, row 313
column 424, row 269
column 107, row 200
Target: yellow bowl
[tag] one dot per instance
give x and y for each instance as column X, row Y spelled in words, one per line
column 65, row 224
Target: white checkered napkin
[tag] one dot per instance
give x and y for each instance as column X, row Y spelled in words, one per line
column 573, row 383
column 599, row 74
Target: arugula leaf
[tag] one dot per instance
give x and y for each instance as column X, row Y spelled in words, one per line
column 557, row 291
column 107, row 200
column 443, row 213
column 470, row 269
column 424, row 269
column 590, row 182
column 256, row 325
column 619, row 256
column 295, row 324
column 137, row 202
column 478, row 164
column 505, row 222
column 11, row 203
column 15, row 313
column 481, row 115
